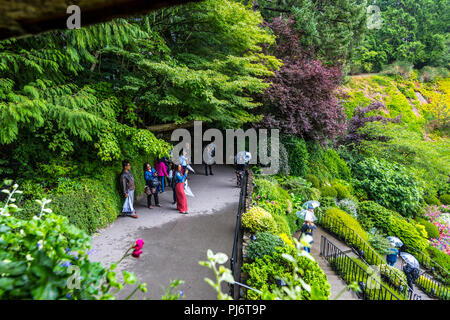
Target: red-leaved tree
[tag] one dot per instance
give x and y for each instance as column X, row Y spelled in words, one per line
column 300, row 100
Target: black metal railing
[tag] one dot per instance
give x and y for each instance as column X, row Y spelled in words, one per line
column 440, row 273
column 367, row 254
column 236, row 255
column 350, row 271
column 433, row 288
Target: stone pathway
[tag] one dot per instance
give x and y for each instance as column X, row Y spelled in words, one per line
column 174, row 243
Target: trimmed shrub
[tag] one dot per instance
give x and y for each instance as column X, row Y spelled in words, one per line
column 282, row 224
column 264, row 244
column 371, row 214
column 445, row 199
column 314, row 180
column 258, row 219
column 439, row 257
column 432, row 230
column 342, row 191
column 406, row 232
column 348, row 221
column 328, row 191
column 325, row 203
column 431, row 200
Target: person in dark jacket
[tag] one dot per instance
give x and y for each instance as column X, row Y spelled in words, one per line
column 307, row 229
column 412, row 274
column 128, row 186
column 152, row 182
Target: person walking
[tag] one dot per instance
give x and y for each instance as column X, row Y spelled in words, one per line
column 391, row 257
column 128, row 187
column 161, row 169
column 172, row 181
column 308, row 228
column 412, row 274
column 209, row 152
column 179, row 189
column 151, row 185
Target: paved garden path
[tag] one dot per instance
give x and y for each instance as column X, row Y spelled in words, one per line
column 174, row 243
column 336, row 282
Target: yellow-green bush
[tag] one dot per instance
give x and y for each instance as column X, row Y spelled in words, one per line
column 348, row 221
column 258, row 219
column 407, row 232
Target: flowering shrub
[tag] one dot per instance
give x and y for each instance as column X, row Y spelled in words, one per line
column 442, row 221
column 286, row 239
column 269, row 191
column 47, row 258
column 258, row 219
column 349, row 206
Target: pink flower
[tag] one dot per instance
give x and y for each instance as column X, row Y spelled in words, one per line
column 139, row 244
column 136, row 253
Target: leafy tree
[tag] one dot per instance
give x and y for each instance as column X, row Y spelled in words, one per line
column 333, row 28
column 300, row 100
column 412, row 30
column 87, row 94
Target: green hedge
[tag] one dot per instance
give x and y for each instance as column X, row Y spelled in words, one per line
column 431, row 200
column 406, row 231
column 445, row 199
column 90, row 203
column 432, row 230
column 348, row 221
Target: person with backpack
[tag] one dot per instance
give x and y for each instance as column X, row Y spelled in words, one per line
column 308, row 228
column 151, row 185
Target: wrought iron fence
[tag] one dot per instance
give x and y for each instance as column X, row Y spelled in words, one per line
column 440, row 273
column 236, row 255
column 367, row 254
column 433, row 288
column 350, row 271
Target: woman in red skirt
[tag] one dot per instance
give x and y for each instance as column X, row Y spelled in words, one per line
column 179, row 189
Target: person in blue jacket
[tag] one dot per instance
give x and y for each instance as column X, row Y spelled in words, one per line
column 391, row 257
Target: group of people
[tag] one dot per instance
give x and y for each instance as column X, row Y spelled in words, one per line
column 155, row 181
